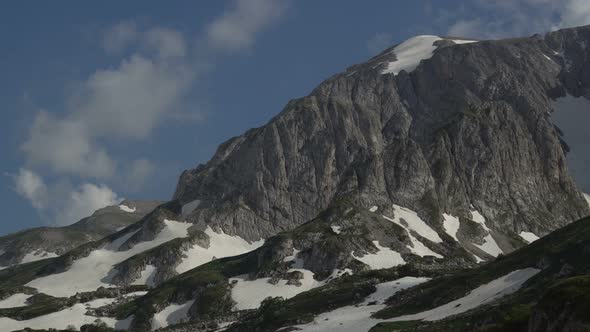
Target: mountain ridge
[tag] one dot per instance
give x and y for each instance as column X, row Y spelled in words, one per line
column 395, row 170
column 453, row 106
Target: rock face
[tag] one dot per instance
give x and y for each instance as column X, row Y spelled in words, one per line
column 469, row 128
column 45, row 242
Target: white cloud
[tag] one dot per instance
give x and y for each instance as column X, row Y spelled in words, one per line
column 126, row 102
column 119, row 37
column 238, row 26
column 31, row 186
column 166, row 42
column 139, row 171
column 466, row 28
column 575, row 13
column 65, row 146
column 59, row 203
column 82, row 202
column 379, row 42
column 509, row 18
column 129, row 100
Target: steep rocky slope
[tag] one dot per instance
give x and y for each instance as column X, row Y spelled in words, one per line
column 468, row 128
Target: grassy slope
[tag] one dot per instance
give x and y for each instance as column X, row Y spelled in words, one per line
column 560, row 291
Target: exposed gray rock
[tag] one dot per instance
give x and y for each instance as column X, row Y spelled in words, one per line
column 468, row 127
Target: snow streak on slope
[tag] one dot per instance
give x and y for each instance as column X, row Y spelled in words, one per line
column 484, row 294
column 415, row 223
column 74, row 315
column 147, row 276
column 172, row 314
column 15, row 300
column 385, row 258
column 528, row 237
column 358, row 318
column 220, row 245
column 410, row 221
column 249, row 294
column 37, row 255
column 451, row 225
column 336, row 229
column 125, row 208
column 489, row 246
column 410, row 53
column 89, row 273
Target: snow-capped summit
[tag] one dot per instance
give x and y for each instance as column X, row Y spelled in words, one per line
column 409, row 53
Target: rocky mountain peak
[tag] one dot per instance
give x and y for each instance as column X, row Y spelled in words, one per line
column 437, row 125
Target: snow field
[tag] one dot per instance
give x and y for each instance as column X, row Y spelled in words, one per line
column 220, row 245
column 385, row 258
column 93, row 271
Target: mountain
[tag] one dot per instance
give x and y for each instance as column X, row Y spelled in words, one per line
column 541, row 287
column 469, row 128
column 45, row 242
column 427, row 183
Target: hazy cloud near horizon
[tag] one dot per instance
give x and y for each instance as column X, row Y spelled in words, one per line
column 515, row 18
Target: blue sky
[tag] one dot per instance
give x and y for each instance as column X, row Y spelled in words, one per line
column 113, row 99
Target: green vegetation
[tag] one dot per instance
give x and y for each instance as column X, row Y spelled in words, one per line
column 207, row 283
column 20, row 275
column 561, row 247
column 42, row 304
column 276, row 312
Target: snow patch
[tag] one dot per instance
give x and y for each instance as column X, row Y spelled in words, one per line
column 484, row 294
column 15, row 300
column 220, row 245
column 478, row 218
column 147, row 276
column 188, row 208
column 451, row 225
column 37, row 256
column 127, row 208
column 528, row 237
column 410, row 53
column 385, row 258
column 463, row 41
column 95, row 270
column 293, row 257
column 249, row 294
column 414, row 223
column 336, row 229
column 172, row 314
column 358, row 317
column 74, row 315
column 477, row 259
column 587, row 197
column 490, row 245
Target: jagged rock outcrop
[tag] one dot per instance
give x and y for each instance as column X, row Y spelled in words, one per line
column 468, row 128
